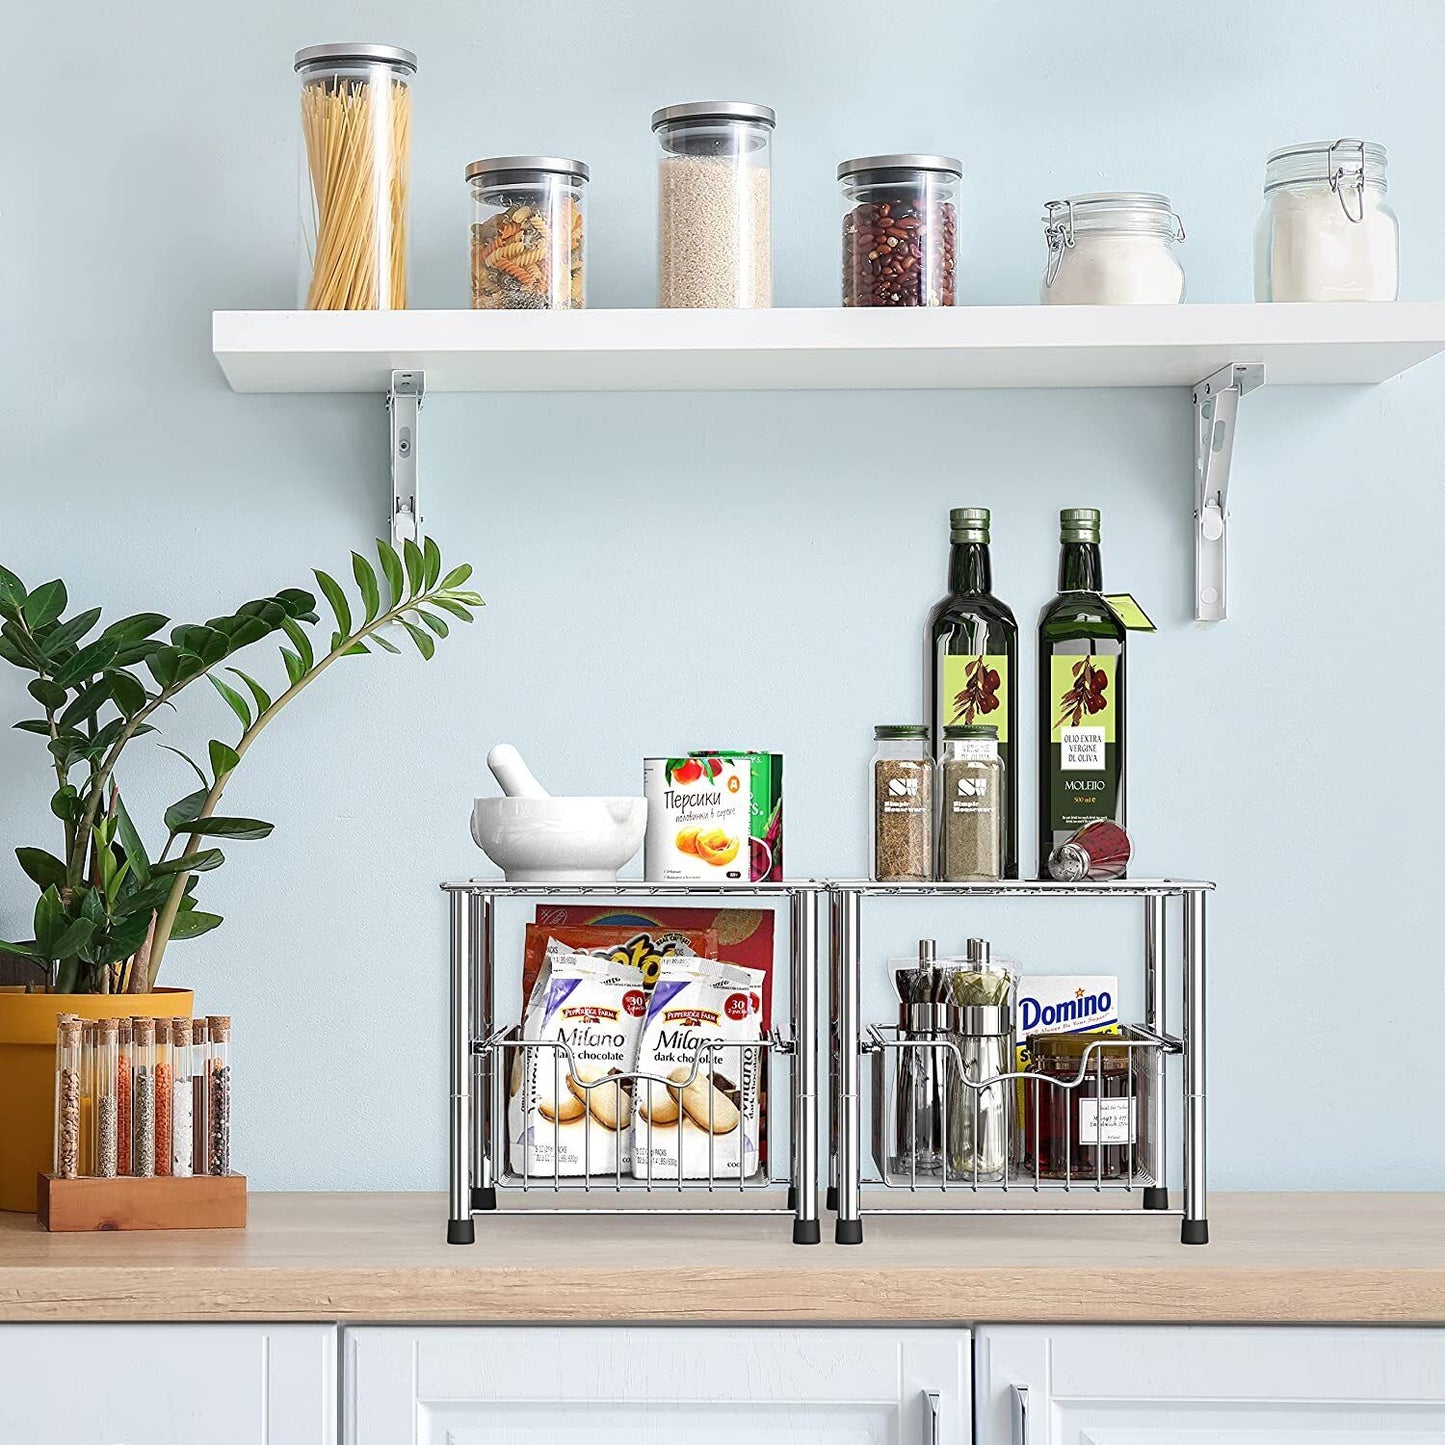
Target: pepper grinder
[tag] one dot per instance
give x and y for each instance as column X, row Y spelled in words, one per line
column 921, row 1105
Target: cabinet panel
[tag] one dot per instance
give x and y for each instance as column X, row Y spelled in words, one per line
column 168, row 1384
column 648, row 1386
column 1181, row 1385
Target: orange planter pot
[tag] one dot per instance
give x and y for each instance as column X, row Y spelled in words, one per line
column 27, row 1072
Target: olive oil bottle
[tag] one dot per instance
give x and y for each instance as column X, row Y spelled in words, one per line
column 1081, row 693
column 972, row 650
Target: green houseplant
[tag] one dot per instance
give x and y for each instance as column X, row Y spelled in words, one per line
column 110, row 905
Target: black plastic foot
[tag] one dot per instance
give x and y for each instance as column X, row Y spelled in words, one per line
column 792, row 1196
column 1156, row 1197
column 1194, row 1231
column 461, row 1231
column 848, row 1231
column 830, row 1199
column 484, row 1198
column 807, row 1231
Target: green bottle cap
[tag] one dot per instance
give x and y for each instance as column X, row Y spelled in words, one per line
column 899, row 730
column 1079, row 524
column 968, row 524
column 969, row 730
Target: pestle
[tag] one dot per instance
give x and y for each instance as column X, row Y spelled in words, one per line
column 513, row 774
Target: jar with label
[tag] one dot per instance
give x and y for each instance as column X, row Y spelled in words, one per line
column 900, row 230
column 527, row 233
column 1327, row 232
column 970, row 801
column 1080, row 1116
column 714, row 204
column 1112, row 248
column 902, row 844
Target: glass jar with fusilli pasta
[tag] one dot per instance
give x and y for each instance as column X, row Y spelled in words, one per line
column 528, row 233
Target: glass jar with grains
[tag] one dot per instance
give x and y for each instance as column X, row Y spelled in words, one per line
column 902, row 849
column 714, row 204
column 1112, row 248
column 900, row 230
column 528, row 233
column 970, row 796
column 1327, row 232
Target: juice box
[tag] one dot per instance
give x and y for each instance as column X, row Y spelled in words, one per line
column 714, row 817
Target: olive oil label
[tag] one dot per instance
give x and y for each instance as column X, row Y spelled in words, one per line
column 975, row 690
column 1084, row 778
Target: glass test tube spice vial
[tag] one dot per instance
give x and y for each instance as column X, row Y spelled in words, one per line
column 200, row 1071
column 218, row 1096
column 182, row 1098
column 143, row 1099
column 123, row 1064
column 87, row 1096
column 107, row 1111
column 164, row 1075
column 67, row 1097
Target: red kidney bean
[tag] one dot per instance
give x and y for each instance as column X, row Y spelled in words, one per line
column 900, row 253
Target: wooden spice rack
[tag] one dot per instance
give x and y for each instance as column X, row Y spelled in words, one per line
column 201, row 1201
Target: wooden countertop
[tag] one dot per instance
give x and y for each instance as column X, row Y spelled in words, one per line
column 1360, row 1258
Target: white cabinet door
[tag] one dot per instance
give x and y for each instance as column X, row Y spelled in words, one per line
column 647, row 1386
column 1177, row 1385
column 168, row 1384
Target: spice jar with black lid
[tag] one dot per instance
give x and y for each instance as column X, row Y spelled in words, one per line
column 902, row 845
column 900, row 229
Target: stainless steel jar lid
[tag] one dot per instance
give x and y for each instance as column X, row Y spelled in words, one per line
column 902, row 161
column 358, row 54
column 715, row 110
column 550, row 165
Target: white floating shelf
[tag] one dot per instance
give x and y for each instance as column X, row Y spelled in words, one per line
column 823, row 350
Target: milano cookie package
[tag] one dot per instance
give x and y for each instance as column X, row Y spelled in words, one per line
column 564, row 1118
column 702, row 1122
column 714, row 817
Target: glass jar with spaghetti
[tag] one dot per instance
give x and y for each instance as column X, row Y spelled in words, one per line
column 528, row 233
column 355, row 173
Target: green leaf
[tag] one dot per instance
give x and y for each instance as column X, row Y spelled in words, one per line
column 301, row 640
column 424, row 643
column 229, row 828
column 38, row 725
column 128, row 691
column 24, row 950
column 12, row 593
column 337, row 598
column 19, row 639
column 194, row 766
column 45, row 604
column 298, row 604
column 193, row 923
column 259, row 693
column 385, row 643
column 432, row 557
column 74, row 938
column 455, row 608
column 267, row 610
column 130, row 841
column 127, row 935
column 234, row 700
column 164, row 665
column 41, row 867
column 391, row 569
column 241, row 632
column 365, row 575
column 67, row 634
column 87, row 662
column 435, row 623
column 207, row 643
column 87, row 704
column 456, row 577
column 65, row 803
column 415, row 565
column 224, row 759
column 47, row 694
column 179, row 815
column 135, row 652
column 50, row 920
column 135, row 627
column 295, row 668
column 356, row 649
column 201, row 861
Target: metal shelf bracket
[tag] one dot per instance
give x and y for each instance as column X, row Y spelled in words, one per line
column 1216, row 408
column 403, row 403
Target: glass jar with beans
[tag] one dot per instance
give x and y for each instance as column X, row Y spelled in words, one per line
column 900, row 230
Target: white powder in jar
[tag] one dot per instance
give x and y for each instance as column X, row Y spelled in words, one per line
column 1307, row 249
column 1116, row 268
column 714, row 233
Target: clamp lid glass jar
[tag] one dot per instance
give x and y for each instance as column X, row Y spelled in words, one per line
column 1327, row 231
column 528, row 233
column 714, row 204
column 900, row 229
column 1112, row 248
column 355, row 175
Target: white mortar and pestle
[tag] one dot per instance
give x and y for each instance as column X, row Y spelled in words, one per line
column 536, row 838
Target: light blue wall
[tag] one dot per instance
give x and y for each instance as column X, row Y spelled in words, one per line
column 668, row 570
